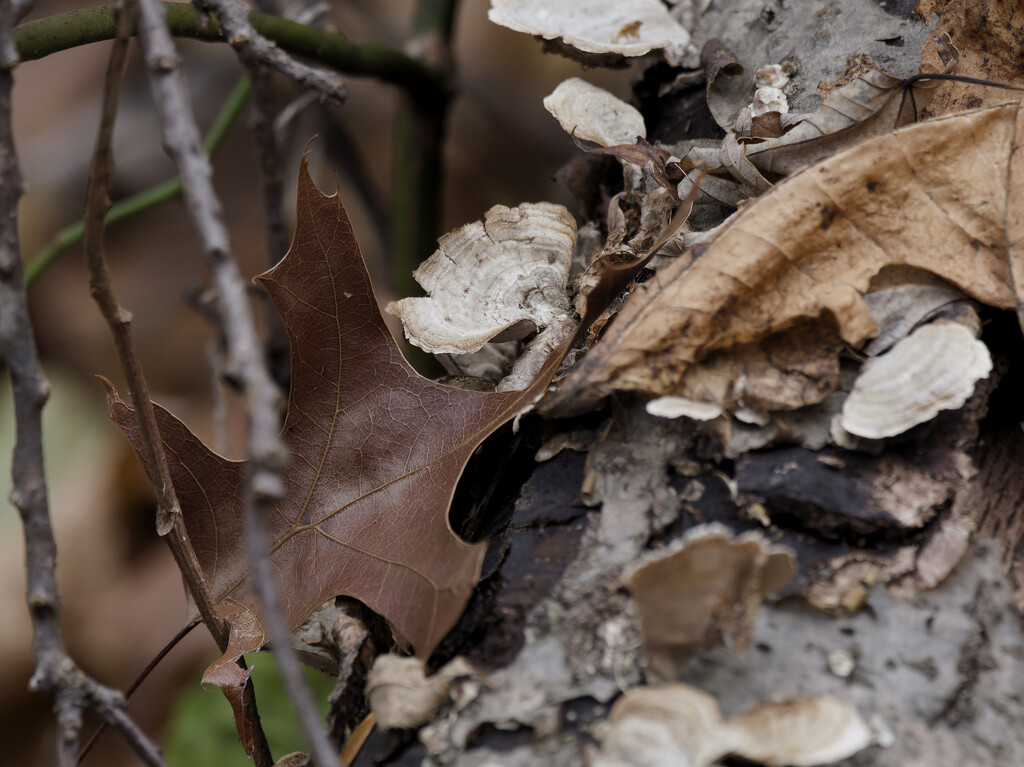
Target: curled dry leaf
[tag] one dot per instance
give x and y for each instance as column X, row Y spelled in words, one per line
column 704, row 587
column 870, row 105
column 495, row 280
column 594, row 26
column 725, row 89
column 933, row 369
column 593, row 114
column 932, row 195
column 898, row 310
column 681, row 725
column 402, row 696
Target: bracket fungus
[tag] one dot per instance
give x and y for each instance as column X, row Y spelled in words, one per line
column 591, row 113
column 594, row 26
column 495, row 280
column 934, row 368
column 402, row 696
column 671, row 406
column 701, row 588
column 681, row 725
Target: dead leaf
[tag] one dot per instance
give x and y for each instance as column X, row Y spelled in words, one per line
column 376, row 452
column 986, row 37
column 932, row 195
column 870, row 105
column 1015, row 221
column 725, row 90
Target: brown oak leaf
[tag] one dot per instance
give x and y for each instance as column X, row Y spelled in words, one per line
column 376, row 452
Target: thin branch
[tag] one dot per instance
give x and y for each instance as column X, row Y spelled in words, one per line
column 143, row 675
column 264, row 484
column 168, row 190
column 169, row 522
column 419, row 139
column 42, row 37
column 253, row 49
column 219, row 406
column 262, row 124
column 56, row 674
column 21, row 8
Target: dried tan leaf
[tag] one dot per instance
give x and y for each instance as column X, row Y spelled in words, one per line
column 932, row 196
column 870, row 105
column 985, row 36
column 1014, row 214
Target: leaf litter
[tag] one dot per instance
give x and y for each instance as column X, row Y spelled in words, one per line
column 752, row 325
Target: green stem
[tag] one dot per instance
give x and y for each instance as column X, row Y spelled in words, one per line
column 168, row 190
column 40, row 38
column 419, row 169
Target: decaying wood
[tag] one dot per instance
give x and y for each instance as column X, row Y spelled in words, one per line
column 932, row 196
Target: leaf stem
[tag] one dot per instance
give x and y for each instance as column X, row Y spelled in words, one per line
column 149, row 198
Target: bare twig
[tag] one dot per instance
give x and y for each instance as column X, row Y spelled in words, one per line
column 273, row 191
column 185, row 630
column 264, row 484
column 169, row 522
column 219, row 406
column 21, row 8
column 253, row 48
column 56, row 674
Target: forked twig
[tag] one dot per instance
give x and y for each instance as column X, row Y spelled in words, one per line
column 170, row 524
column 263, row 484
column 56, row 674
column 253, row 48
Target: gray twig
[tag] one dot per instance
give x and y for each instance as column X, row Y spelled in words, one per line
column 169, row 524
column 262, row 123
column 56, row 674
column 20, row 8
column 254, row 49
column 264, row 484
